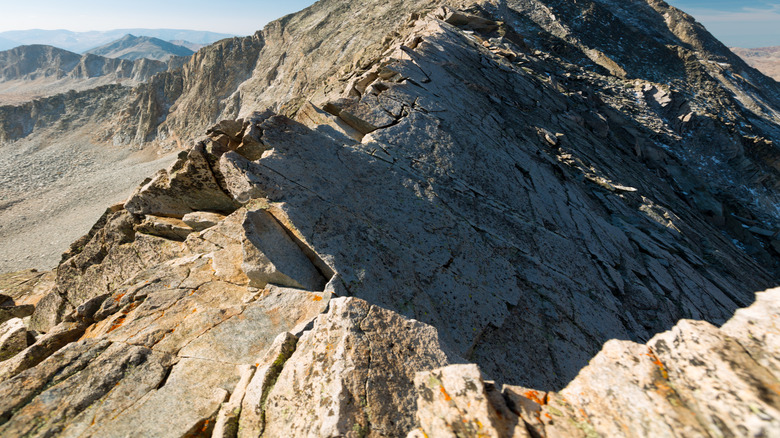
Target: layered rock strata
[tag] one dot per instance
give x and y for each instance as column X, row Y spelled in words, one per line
column 441, row 215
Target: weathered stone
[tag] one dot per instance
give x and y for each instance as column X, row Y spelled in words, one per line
column 453, row 210
column 205, row 332
column 241, row 338
column 757, row 329
column 60, row 336
column 320, row 120
column 460, row 19
column 233, row 129
column 200, row 383
column 22, row 287
column 353, row 373
column 239, row 179
column 226, row 425
column 694, row 380
column 676, row 384
column 270, row 256
column 252, row 146
column 168, row 228
column 47, row 283
column 597, row 123
column 13, row 338
column 49, row 312
column 188, row 185
column 252, row 421
column 201, row 220
column 363, row 115
column 10, row 312
column 453, row 402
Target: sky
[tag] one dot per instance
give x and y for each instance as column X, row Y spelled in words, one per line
column 744, row 23
column 737, row 23
column 237, row 17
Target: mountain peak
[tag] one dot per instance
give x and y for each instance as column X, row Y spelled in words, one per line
column 81, row 41
column 133, row 47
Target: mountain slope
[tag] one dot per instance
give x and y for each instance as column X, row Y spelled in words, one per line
column 29, row 72
column 456, row 189
column 132, row 47
column 82, row 41
column 190, row 45
column 6, row 44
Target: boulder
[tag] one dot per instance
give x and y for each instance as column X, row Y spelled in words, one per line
column 49, row 312
column 271, row 256
column 188, row 185
column 353, row 373
column 253, row 405
column 454, row 401
column 13, row 338
column 10, row 312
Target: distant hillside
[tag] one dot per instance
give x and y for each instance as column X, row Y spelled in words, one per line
column 765, row 59
column 132, row 48
column 188, row 44
column 29, row 72
column 80, row 42
column 6, row 44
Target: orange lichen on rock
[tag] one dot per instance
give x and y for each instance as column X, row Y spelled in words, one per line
column 117, row 323
column 536, row 396
column 444, row 391
column 657, row 362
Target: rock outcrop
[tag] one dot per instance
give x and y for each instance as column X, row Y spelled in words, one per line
column 695, row 93
column 453, row 219
column 694, row 380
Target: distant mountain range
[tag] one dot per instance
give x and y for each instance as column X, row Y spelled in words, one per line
column 35, row 71
column 81, row 42
column 132, row 48
column 6, row 44
column 188, row 44
column 765, row 59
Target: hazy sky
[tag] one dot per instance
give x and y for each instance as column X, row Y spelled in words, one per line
column 743, row 23
column 239, row 17
column 747, row 23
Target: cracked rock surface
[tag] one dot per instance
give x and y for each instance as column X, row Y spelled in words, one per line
column 694, row 380
column 470, row 209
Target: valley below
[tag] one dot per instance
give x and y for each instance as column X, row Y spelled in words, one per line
column 766, row 59
column 50, row 194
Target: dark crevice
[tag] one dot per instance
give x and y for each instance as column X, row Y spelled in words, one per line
column 165, row 377
column 323, row 268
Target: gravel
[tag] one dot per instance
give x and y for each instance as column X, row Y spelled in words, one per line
column 52, row 194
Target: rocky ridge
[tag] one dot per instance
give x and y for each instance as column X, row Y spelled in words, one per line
column 699, row 84
column 444, row 201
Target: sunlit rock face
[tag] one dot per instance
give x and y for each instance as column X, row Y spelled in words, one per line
column 402, row 236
